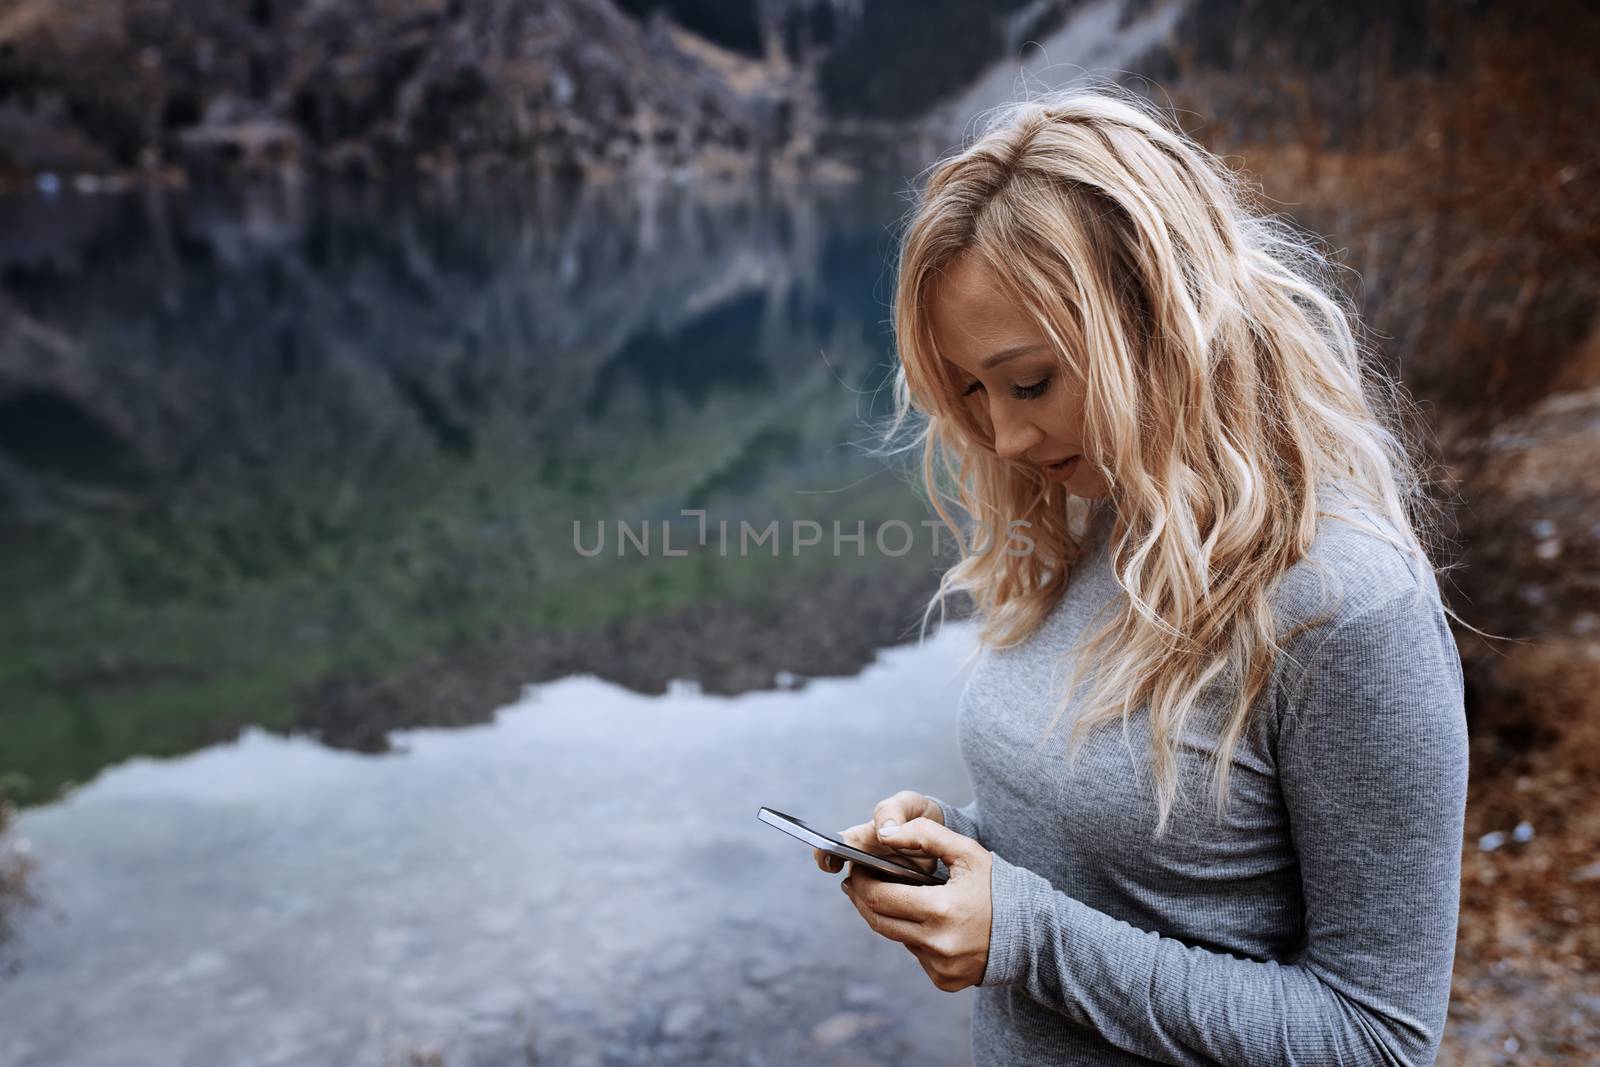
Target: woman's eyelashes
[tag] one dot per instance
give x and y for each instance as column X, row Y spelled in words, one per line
column 1021, row 392
column 1028, row 392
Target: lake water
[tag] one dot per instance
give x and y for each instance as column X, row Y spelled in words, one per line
column 333, row 737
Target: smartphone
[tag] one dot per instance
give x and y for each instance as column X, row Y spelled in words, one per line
column 881, row 866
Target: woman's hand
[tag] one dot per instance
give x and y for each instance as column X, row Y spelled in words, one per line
column 869, row 837
column 945, row 927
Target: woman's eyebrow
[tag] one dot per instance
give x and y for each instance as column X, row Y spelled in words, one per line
column 1009, row 353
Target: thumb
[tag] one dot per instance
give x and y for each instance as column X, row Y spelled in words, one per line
column 934, row 839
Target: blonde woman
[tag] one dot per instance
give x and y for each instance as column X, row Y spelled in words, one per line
column 1247, row 850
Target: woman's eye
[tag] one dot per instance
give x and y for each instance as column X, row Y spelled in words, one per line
column 1028, row 392
column 1021, row 392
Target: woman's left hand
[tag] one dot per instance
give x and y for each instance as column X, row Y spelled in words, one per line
column 946, row 927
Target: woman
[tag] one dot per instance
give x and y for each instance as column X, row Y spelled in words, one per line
column 1221, row 557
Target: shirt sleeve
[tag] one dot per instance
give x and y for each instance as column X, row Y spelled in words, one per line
column 1372, row 758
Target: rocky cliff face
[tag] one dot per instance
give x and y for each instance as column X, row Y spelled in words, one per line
column 385, row 87
column 588, row 89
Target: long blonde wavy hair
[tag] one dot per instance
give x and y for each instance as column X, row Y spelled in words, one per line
column 1226, row 382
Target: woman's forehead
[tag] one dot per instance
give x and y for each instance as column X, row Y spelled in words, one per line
column 970, row 312
column 967, row 278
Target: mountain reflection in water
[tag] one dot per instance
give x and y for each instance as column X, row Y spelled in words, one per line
column 311, row 460
column 288, row 486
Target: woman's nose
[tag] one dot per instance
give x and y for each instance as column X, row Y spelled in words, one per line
column 1013, row 438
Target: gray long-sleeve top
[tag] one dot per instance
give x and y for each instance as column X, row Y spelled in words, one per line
column 1314, row 925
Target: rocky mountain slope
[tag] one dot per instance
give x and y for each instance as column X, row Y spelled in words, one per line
column 381, row 87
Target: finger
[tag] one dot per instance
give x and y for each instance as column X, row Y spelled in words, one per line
column 865, row 837
column 827, row 861
column 895, row 929
column 893, row 899
column 920, row 860
column 935, row 840
column 860, row 835
column 898, row 809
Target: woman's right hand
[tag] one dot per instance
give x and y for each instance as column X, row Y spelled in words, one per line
column 899, row 809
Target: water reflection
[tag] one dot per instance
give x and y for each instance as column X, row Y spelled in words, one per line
column 581, row 881
column 309, row 459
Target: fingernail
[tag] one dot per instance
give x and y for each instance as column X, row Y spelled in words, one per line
column 889, row 828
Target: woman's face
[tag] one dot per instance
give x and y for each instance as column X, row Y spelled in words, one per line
column 1005, row 366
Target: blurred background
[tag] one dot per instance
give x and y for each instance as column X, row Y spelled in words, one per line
column 322, row 322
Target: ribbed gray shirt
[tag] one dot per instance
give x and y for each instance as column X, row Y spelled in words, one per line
column 1316, row 924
